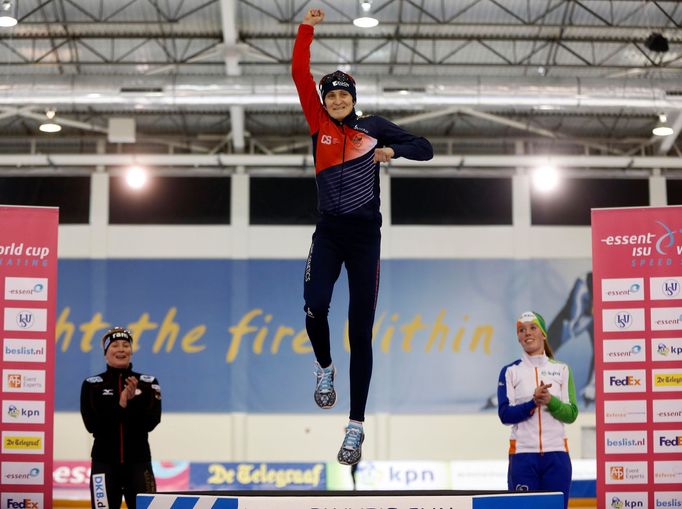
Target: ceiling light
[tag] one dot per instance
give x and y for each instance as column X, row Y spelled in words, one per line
column 662, row 128
column 365, row 20
column 7, row 14
column 546, row 178
column 136, row 177
column 50, row 126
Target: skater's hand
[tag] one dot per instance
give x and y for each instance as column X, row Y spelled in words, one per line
column 313, row 17
column 541, row 396
column 383, row 155
column 128, row 391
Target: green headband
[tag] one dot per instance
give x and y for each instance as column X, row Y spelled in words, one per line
column 532, row 316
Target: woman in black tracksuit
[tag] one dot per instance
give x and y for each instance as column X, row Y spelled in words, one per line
column 347, row 150
column 120, row 407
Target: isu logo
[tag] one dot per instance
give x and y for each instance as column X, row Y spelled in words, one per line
column 617, row 473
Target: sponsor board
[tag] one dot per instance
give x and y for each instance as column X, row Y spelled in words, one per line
column 625, row 442
column 666, row 318
column 22, row 501
column 625, row 410
column 624, row 350
column 668, row 472
column 626, row 499
column 666, row 380
column 665, row 288
column 23, row 442
column 622, row 289
column 626, row 472
column 23, row 380
column 26, row 288
column 251, row 476
column 22, row 472
column 24, row 412
column 667, row 440
column 668, row 499
column 623, row 320
column 26, row 319
column 24, row 350
column 666, row 349
column 667, row 410
column 625, row 380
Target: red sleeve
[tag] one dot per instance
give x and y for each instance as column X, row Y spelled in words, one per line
column 304, row 81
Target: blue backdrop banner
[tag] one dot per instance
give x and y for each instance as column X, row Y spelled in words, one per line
column 229, row 335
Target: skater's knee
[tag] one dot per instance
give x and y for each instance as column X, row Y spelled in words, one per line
column 312, row 311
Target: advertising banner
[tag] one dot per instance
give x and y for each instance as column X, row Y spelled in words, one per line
column 28, row 297
column 443, row 330
column 637, row 270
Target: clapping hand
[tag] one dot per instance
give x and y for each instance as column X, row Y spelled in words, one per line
column 541, row 396
column 128, row 391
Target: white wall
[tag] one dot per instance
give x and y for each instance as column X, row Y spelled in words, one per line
column 241, row 437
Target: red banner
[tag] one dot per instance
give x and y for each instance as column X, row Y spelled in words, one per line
column 28, row 295
column 637, row 271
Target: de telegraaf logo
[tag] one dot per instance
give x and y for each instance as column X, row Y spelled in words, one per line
column 623, row 320
column 667, row 241
column 25, row 319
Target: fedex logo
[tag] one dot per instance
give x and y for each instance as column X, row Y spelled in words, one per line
column 628, row 380
column 625, row 380
column 22, row 501
column 667, row 440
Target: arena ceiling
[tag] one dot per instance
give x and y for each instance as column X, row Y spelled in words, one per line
column 213, row 76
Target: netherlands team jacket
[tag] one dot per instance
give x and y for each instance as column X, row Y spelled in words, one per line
column 121, row 434
column 536, row 429
column 347, row 178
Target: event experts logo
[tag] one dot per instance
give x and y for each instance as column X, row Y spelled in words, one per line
column 658, row 247
column 626, row 472
column 23, row 380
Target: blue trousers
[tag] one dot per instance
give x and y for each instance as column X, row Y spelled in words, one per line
column 355, row 244
column 550, row 471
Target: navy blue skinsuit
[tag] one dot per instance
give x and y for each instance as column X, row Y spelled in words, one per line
column 349, row 229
